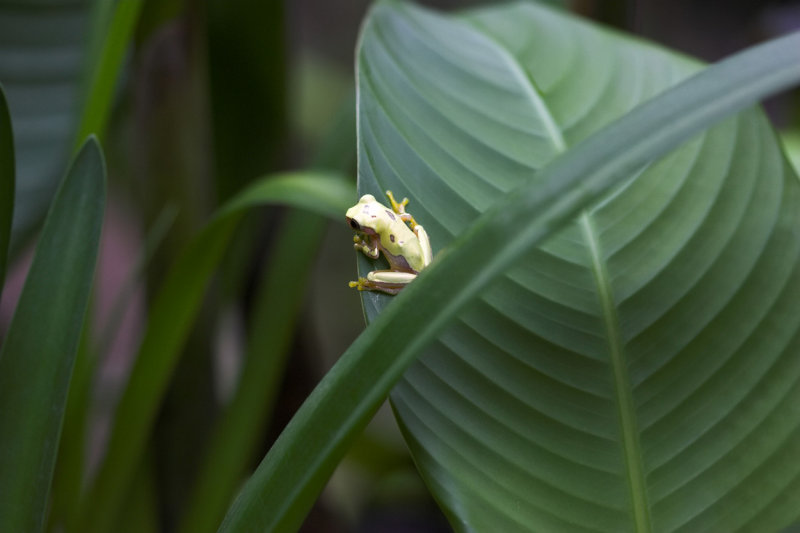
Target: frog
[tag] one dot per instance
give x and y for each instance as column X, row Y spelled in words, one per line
column 393, row 232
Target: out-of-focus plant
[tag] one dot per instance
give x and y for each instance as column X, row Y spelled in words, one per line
column 39, row 348
column 607, row 337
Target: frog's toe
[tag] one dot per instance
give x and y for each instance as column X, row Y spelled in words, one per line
column 361, row 284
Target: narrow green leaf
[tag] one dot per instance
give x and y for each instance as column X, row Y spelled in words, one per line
column 7, row 181
column 319, row 192
column 70, row 468
column 272, row 327
column 104, row 75
column 37, row 357
column 69, row 476
column 171, row 315
column 283, row 488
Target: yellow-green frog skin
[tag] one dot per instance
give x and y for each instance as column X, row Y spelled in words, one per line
column 380, row 229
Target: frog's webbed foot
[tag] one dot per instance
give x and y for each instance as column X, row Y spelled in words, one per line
column 367, row 248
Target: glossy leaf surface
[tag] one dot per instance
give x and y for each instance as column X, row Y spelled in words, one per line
column 636, row 373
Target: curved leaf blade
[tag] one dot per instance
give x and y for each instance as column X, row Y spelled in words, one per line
column 171, row 316
column 39, row 350
column 544, row 407
column 289, row 478
column 241, row 425
column 103, row 76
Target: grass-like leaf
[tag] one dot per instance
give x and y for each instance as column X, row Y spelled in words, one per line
column 395, row 148
column 38, row 353
column 104, row 74
column 171, row 315
column 7, row 181
column 70, row 473
column 234, row 440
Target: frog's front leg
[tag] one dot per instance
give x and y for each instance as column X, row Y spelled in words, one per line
column 388, row 281
column 367, row 247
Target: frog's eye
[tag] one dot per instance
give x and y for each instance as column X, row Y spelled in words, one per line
column 353, row 224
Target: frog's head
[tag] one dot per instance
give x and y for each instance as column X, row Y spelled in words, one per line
column 367, row 216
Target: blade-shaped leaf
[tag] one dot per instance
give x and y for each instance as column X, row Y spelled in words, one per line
column 111, row 46
column 287, row 481
column 39, row 350
column 241, row 425
column 6, row 184
column 636, row 373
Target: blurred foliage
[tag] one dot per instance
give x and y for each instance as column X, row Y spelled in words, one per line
column 195, row 103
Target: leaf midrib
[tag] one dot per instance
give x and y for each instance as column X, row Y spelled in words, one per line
column 623, row 393
column 629, row 427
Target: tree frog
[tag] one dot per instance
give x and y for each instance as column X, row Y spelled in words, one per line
column 380, row 229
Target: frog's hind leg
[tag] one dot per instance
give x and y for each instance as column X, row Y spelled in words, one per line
column 400, row 209
column 388, row 281
column 424, row 243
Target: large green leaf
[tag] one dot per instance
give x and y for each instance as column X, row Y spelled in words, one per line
column 638, row 372
column 287, row 481
column 41, row 61
column 39, row 350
